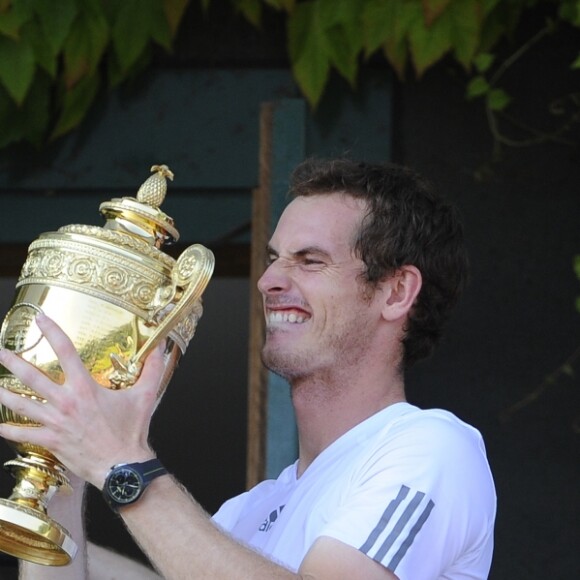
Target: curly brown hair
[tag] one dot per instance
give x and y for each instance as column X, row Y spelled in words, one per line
column 407, row 223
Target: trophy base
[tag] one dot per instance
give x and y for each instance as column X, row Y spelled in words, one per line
column 30, row 535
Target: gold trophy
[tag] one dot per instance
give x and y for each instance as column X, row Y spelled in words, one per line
column 116, row 294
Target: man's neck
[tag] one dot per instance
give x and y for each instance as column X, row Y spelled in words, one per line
column 326, row 408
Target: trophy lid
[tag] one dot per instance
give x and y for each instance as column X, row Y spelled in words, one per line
column 141, row 215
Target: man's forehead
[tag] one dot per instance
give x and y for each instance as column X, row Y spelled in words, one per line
column 336, row 208
column 324, row 221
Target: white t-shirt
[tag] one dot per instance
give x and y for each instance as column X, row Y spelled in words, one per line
column 410, row 488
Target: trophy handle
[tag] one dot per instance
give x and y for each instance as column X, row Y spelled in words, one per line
column 189, row 277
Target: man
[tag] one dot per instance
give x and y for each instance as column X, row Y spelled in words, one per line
column 365, row 264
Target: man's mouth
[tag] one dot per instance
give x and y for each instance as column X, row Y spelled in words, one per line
column 290, row 316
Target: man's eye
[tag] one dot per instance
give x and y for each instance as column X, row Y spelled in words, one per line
column 312, row 262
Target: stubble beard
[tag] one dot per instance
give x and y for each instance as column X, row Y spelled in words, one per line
column 343, row 350
column 291, row 366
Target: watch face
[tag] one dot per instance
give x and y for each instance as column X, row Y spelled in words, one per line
column 124, row 485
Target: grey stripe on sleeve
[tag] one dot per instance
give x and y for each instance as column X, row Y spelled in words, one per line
column 384, row 520
column 413, row 505
column 409, row 540
column 399, row 526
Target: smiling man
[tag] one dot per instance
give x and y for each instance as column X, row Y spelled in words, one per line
column 365, row 265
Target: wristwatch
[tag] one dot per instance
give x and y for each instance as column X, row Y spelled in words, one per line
column 126, row 482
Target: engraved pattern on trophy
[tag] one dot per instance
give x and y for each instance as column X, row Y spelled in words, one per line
column 68, row 264
column 123, row 296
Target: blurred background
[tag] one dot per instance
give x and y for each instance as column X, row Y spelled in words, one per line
column 481, row 97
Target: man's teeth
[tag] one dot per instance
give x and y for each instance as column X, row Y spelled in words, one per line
column 286, row 317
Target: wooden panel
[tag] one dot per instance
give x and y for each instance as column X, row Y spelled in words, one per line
column 272, row 439
column 257, row 382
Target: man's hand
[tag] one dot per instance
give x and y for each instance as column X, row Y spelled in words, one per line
column 87, row 427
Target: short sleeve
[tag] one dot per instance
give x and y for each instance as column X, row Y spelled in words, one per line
column 421, row 502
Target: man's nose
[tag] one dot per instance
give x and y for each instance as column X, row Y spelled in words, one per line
column 274, row 280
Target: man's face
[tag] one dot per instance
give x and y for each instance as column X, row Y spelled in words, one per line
column 318, row 314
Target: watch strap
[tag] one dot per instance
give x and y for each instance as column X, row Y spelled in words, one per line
column 150, row 469
column 145, row 472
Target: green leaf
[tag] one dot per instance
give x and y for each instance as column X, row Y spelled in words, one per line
column 117, row 76
column 428, row 45
column 477, row 86
column 86, row 43
column 570, row 11
column 397, row 54
column 30, row 120
column 498, row 99
column 492, row 30
column 11, row 131
column 75, row 104
column 287, row 5
column 341, row 54
column 36, row 112
column 10, row 25
column 56, row 23
column 432, row 9
column 132, row 30
column 343, row 34
column 174, row 11
column 577, row 266
column 160, row 30
column 33, row 34
column 337, row 12
column 251, row 9
column 489, row 5
column 17, row 67
column 576, row 63
column 307, row 49
column 13, row 18
column 387, row 24
column 483, row 61
column 500, row 19
column 465, row 27
column 380, row 21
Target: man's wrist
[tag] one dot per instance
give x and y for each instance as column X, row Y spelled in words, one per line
column 100, row 472
column 126, row 483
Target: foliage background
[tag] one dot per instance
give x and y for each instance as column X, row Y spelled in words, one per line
column 55, row 58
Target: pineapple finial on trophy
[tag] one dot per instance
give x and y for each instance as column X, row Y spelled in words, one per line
column 140, row 216
column 153, row 190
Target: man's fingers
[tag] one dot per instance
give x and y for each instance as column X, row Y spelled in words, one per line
column 153, row 368
column 27, row 373
column 146, row 389
column 23, row 405
column 63, row 347
column 19, row 434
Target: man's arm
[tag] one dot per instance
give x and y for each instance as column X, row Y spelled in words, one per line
column 105, row 564
column 86, row 427
column 180, row 538
column 331, row 558
column 91, row 562
column 182, row 541
column 67, row 510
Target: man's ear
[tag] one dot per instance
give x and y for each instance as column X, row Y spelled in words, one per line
column 401, row 290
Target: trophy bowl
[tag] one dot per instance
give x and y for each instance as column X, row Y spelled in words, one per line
column 117, row 295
